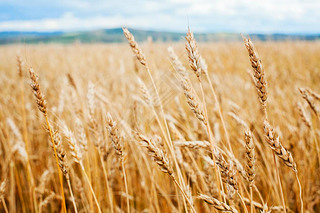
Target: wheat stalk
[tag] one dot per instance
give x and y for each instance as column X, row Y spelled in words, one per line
column 118, row 146
column 282, row 153
column 62, row 161
column 3, row 187
column 163, row 162
column 42, row 106
column 77, row 156
column 140, row 56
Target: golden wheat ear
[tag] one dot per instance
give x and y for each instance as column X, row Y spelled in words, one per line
column 250, row 156
column 193, row 54
column 193, row 101
column 273, row 140
column 258, row 72
column 115, row 136
column 135, row 47
column 157, row 154
column 221, row 206
column 41, row 102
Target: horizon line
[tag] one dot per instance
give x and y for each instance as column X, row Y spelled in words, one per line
column 161, row 31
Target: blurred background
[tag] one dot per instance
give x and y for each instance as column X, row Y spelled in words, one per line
column 101, row 21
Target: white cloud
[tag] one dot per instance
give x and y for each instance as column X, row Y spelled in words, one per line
column 65, row 23
column 68, row 22
column 174, row 15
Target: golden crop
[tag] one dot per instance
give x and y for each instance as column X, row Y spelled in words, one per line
column 203, row 129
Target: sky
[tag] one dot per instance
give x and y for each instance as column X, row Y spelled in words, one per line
column 245, row 16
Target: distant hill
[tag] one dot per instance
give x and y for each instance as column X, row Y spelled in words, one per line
column 115, row 36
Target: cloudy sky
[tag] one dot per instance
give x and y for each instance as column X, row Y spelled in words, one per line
column 246, row 16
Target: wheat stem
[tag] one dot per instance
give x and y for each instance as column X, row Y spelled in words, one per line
column 141, row 58
column 126, row 186
column 4, row 205
column 279, row 181
column 90, row 186
column 57, row 163
column 72, row 197
column 316, row 143
column 107, row 184
column 251, row 201
column 219, row 111
column 183, row 193
column 300, row 192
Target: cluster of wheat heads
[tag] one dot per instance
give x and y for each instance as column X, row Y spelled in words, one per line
column 183, row 130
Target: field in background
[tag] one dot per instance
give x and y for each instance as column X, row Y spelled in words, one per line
column 115, row 36
column 82, row 83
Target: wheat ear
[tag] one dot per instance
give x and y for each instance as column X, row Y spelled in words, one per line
column 135, row 47
column 63, row 164
column 306, row 120
column 118, row 146
column 140, row 56
column 163, row 162
column 251, row 157
column 258, row 74
column 193, row 101
column 30, row 176
column 282, row 153
column 19, row 65
column 310, row 101
column 77, row 156
column 193, row 54
column 157, row 155
column 273, row 140
column 41, row 102
column 303, row 115
column 181, row 70
column 227, row 170
column 42, row 105
column 193, row 144
column 313, row 94
column 189, row 92
column 220, row 206
column 199, row 67
column 238, row 120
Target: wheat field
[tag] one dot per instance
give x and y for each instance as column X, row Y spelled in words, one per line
column 167, row 127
